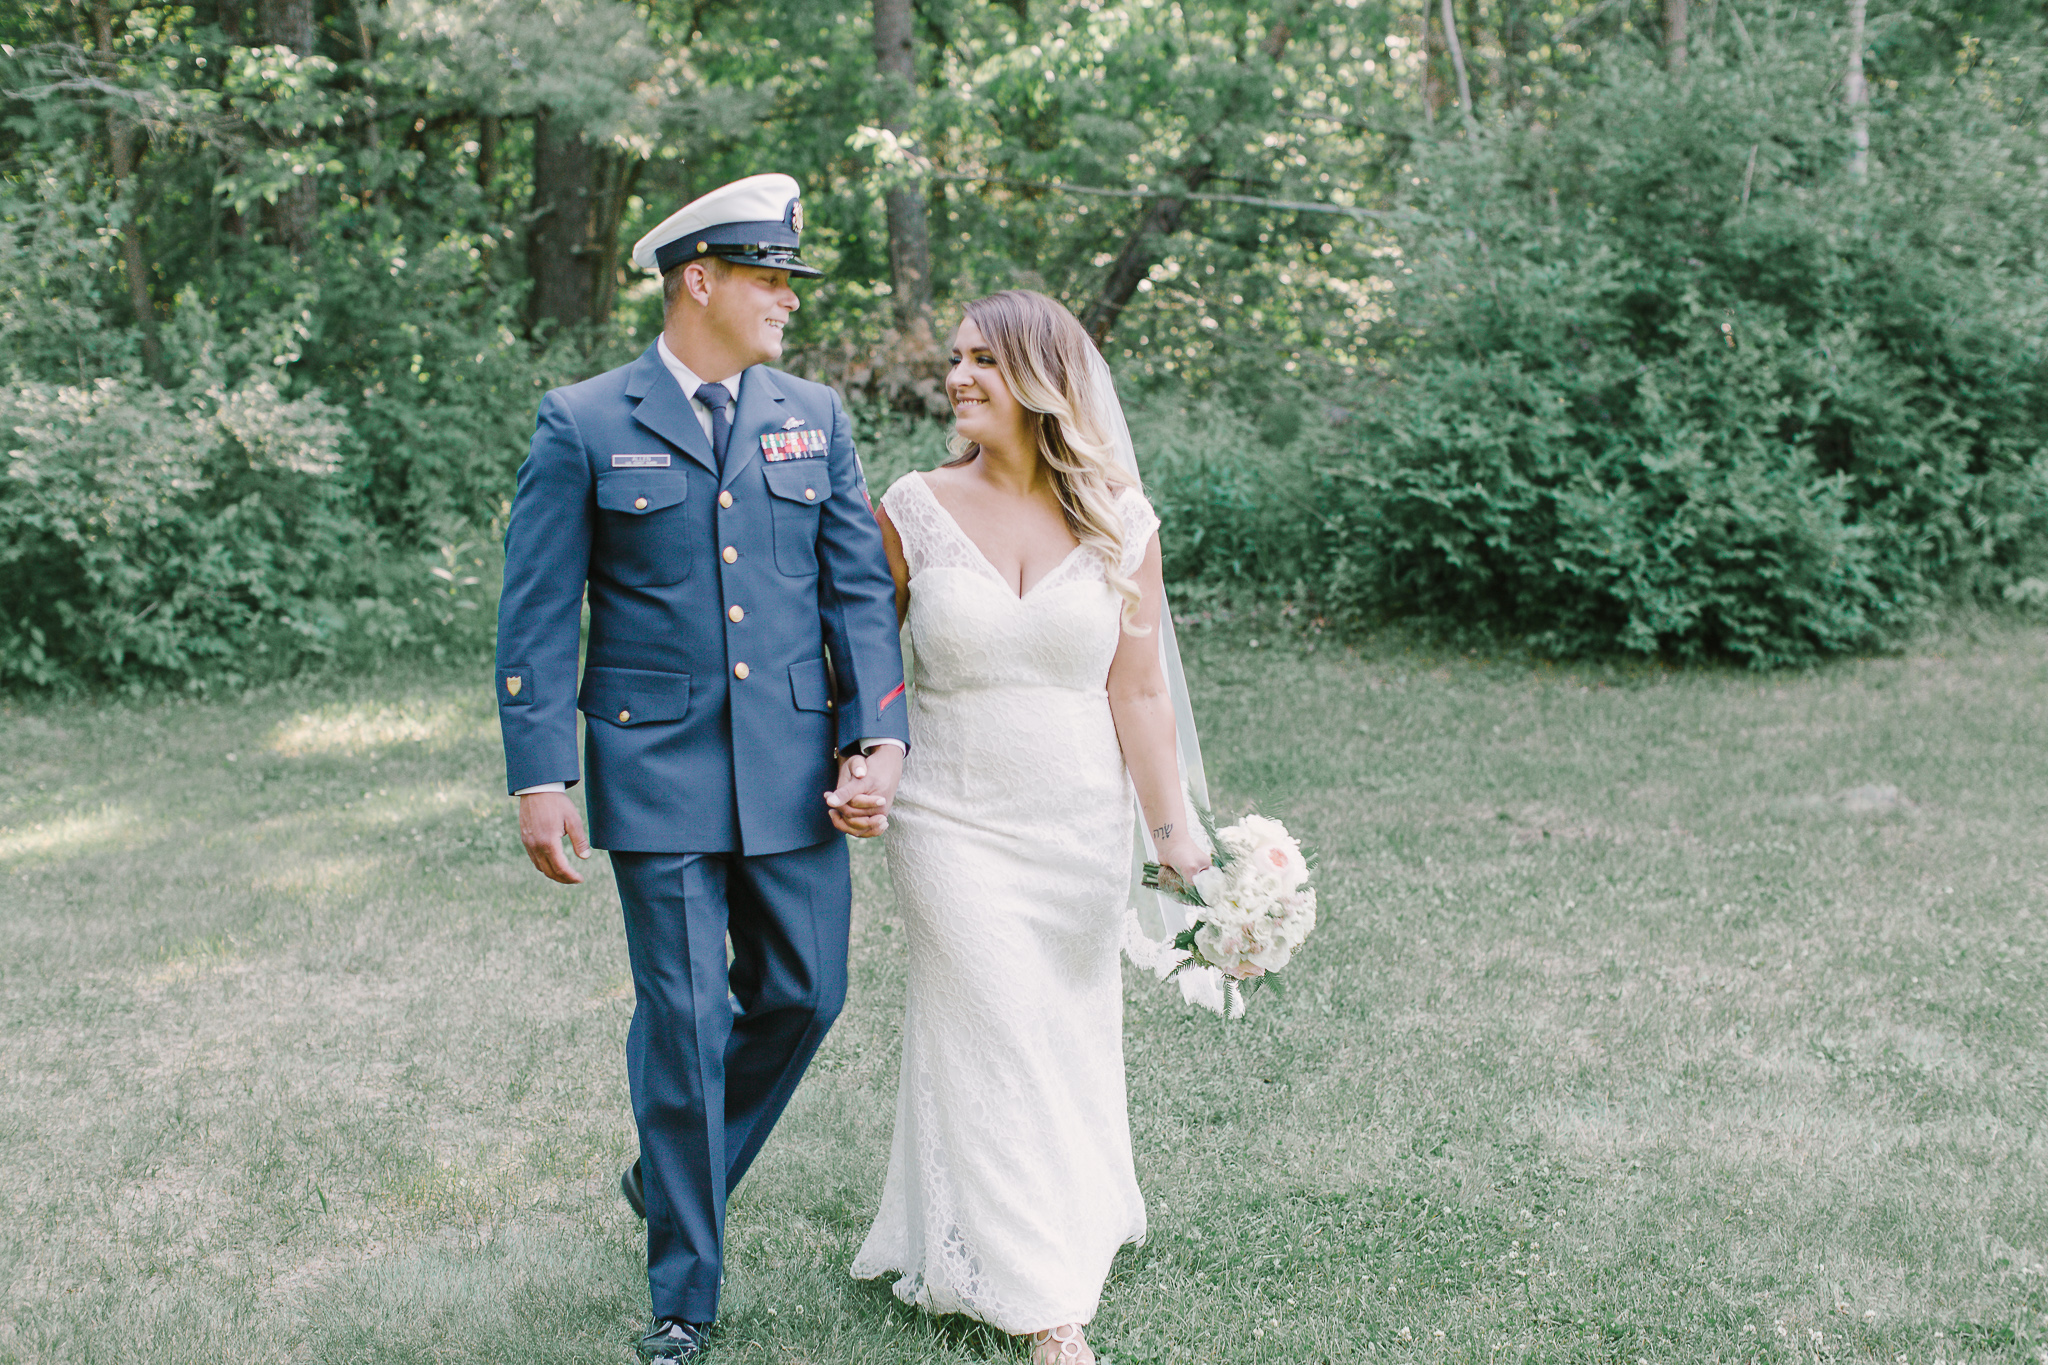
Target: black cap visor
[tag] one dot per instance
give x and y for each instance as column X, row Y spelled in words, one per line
column 772, row 246
column 769, row 257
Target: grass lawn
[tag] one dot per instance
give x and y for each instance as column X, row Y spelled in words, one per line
column 1626, row 1037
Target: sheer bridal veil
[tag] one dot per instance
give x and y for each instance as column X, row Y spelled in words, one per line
column 1154, row 919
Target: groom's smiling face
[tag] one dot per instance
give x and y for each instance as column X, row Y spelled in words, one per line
column 751, row 307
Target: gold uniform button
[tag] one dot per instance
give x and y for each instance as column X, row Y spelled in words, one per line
column 736, row 614
column 640, row 504
column 740, row 671
column 725, row 498
column 625, row 716
column 810, row 495
column 731, row 555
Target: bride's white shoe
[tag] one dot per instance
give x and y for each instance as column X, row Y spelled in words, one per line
column 1061, row 1345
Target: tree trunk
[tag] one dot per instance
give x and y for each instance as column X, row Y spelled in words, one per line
column 229, row 13
column 1514, row 41
column 1161, row 219
column 559, row 258
column 1742, row 33
column 286, row 23
column 1458, row 64
column 1433, row 97
column 1857, row 96
column 910, row 246
column 289, row 23
column 618, row 176
column 1675, row 17
column 489, row 128
column 121, row 153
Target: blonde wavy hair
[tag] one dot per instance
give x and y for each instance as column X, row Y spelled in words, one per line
column 1046, row 360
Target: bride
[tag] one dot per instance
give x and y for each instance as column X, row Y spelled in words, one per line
column 1027, row 569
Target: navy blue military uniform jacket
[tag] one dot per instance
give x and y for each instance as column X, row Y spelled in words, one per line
column 742, row 629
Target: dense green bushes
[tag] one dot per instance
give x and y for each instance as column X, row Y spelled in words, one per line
column 222, row 523
column 1645, row 370
column 1639, row 391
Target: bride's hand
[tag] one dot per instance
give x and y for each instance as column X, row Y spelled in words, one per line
column 1183, row 856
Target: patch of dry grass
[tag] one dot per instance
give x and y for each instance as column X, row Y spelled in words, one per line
column 1632, row 1034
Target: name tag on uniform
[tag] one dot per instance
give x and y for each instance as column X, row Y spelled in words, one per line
column 659, row 461
column 806, row 444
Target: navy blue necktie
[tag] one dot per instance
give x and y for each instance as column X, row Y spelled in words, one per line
column 715, row 397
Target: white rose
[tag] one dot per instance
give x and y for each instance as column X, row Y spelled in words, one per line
column 1261, row 830
column 1298, row 915
column 1212, row 886
column 1224, row 948
column 1281, row 859
column 1254, row 881
column 1273, row 956
column 1236, row 841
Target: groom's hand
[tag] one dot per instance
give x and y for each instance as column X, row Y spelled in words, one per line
column 859, row 805
column 544, row 817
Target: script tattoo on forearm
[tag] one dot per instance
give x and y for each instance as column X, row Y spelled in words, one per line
column 1163, row 832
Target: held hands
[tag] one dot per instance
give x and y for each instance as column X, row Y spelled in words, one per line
column 544, row 817
column 859, row 805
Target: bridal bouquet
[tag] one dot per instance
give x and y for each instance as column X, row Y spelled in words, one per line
column 1255, row 905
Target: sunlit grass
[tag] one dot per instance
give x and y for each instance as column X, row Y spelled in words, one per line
column 1656, row 1016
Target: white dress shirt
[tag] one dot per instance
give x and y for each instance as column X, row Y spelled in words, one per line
column 687, row 379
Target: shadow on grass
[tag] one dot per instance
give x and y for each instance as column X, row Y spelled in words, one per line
column 951, row 1330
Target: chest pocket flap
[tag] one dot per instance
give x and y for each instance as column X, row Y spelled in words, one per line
column 805, row 481
column 640, row 491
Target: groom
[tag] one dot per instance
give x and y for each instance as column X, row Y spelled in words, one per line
column 742, row 705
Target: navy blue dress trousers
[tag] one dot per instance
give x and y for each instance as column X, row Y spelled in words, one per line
column 742, row 630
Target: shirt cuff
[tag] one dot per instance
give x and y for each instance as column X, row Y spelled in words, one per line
column 867, row 746
column 543, row 787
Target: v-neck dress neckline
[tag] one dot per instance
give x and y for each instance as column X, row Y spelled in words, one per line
column 981, row 556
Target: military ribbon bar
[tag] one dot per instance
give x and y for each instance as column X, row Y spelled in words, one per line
column 807, row 443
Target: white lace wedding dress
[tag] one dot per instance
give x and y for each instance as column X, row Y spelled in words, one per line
column 1010, row 1182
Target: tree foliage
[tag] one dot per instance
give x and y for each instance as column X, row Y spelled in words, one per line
column 1672, row 379
column 1388, row 356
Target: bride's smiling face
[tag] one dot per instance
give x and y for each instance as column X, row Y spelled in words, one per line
column 984, row 409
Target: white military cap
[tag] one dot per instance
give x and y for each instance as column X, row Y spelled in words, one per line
column 756, row 221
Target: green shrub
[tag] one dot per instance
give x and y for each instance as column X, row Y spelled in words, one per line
column 230, row 520
column 1622, row 407
column 1234, row 511
column 146, row 533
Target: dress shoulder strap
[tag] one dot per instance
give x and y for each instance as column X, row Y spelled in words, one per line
column 930, row 540
column 1140, row 521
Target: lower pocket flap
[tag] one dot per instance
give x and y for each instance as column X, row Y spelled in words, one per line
column 634, row 696
column 808, row 687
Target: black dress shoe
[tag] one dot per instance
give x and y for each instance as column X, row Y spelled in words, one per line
column 629, row 1185
column 674, row 1339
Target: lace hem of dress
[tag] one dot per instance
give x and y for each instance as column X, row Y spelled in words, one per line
column 914, row 1289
